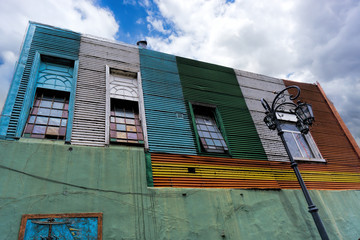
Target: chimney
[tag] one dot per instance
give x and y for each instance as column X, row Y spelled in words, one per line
column 142, row 44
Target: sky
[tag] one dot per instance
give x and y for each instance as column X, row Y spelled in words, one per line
column 301, row 40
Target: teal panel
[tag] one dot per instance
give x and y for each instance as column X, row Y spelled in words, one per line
column 167, row 121
column 44, row 40
column 65, row 228
column 216, row 85
column 55, row 76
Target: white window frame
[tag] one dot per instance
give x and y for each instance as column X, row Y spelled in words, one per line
column 140, row 106
column 291, row 118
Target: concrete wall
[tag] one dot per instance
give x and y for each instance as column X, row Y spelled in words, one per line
column 48, row 177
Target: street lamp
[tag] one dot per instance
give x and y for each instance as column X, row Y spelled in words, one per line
column 305, row 117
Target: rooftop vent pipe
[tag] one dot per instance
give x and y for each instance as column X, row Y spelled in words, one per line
column 142, row 44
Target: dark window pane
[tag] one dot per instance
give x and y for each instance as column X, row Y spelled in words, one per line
column 62, row 131
column 28, row 128
column 65, row 114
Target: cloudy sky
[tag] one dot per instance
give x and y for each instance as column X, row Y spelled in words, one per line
column 301, row 40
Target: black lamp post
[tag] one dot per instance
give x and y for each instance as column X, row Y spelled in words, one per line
column 305, row 119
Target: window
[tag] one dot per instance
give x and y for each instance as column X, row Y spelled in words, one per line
column 48, row 116
column 125, row 126
column 207, row 124
column 302, row 147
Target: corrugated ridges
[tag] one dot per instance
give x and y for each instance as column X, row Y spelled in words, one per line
column 328, row 135
column 166, row 117
column 217, row 85
column 170, row 170
column 254, row 87
column 90, row 101
column 48, row 40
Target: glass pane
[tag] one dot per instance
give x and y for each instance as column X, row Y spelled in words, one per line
column 112, row 119
column 62, row 131
column 206, row 134
column 37, row 103
column 52, row 131
column 44, row 111
column 202, row 127
column 138, row 129
column 63, row 122
column 39, row 129
column 304, row 146
column 121, row 134
column 54, row 121
column 46, row 104
column 209, row 141
column 129, row 114
column 119, row 113
column 208, row 121
column 132, row 135
column 42, row 120
column 214, row 135
column 217, row 143
column 289, row 126
column 112, row 134
column 130, row 121
column 28, row 128
column 32, row 119
column 65, row 114
column 58, row 105
column 211, row 128
column 131, row 128
column 120, row 120
column 290, row 141
column 56, row 113
column 120, row 127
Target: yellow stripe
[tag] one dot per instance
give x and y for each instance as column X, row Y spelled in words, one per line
column 228, row 172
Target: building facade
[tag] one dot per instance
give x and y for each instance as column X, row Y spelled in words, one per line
column 104, row 140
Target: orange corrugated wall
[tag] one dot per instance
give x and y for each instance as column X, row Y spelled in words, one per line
column 340, row 172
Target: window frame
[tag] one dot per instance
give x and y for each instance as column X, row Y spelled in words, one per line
column 219, row 123
column 140, row 102
column 55, row 94
column 32, row 88
column 289, row 118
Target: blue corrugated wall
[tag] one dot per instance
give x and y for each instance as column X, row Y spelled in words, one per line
column 168, row 124
column 44, row 40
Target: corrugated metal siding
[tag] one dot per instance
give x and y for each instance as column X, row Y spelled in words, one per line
column 254, row 87
column 90, row 101
column 166, row 117
column 45, row 40
column 217, row 85
column 170, row 170
column 330, row 138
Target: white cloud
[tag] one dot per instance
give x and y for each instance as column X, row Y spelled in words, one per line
column 315, row 41
column 77, row 15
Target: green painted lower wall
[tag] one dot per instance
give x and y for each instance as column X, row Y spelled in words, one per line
column 49, row 177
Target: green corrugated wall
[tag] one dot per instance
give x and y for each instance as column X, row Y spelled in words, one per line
column 217, row 85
